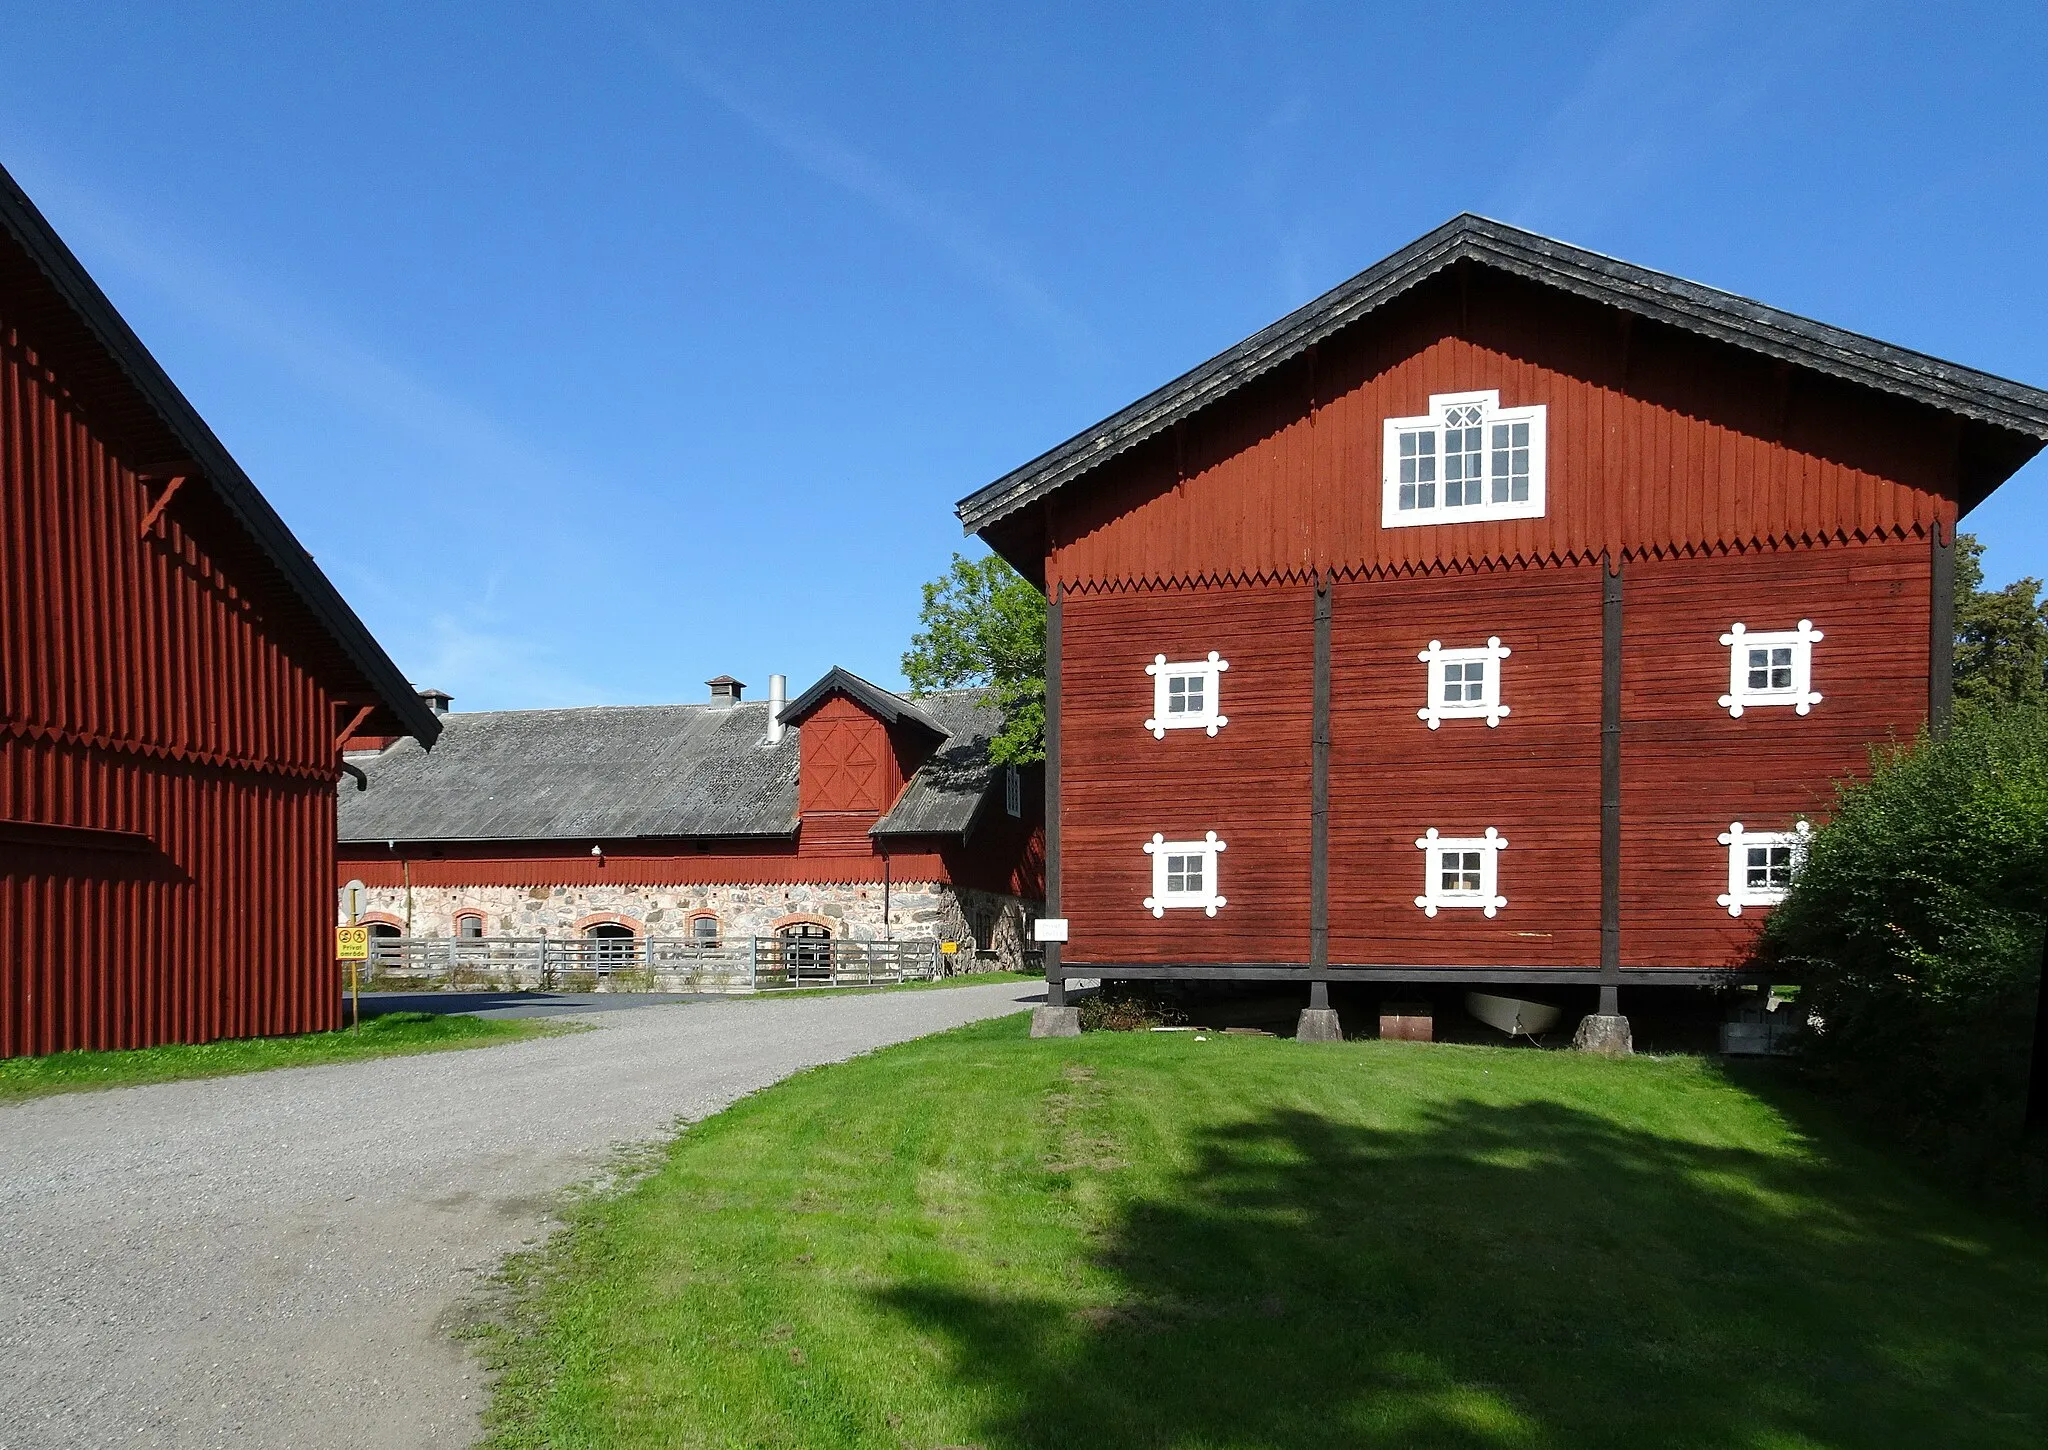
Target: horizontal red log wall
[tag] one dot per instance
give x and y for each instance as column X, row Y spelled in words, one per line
column 145, row 692
column 1689, row 768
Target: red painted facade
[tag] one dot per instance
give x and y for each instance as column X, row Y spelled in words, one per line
column 168, row 712
column 1725, row 487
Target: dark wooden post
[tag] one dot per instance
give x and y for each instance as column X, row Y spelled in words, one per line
column 1319, row 1023
column 1941, row 631
column 1607, row 1030
column 1610, row 787
column 1055, row 980
column 1055, row 1018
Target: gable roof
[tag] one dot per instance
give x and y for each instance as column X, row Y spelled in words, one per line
column 76, row 305
column 891, row 709
column 1997, row 403
column 618, row 772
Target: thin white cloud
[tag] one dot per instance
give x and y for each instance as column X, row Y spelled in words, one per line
column 318, row 354
column 866, row 178
column 1636, row 103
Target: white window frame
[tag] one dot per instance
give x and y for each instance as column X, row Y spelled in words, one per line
column 1738, row 841
column 1488, row 706
column 1210, row 717
column 1487, row 898
column 1209, row 848
column 1435, row 424
column 1801, row 695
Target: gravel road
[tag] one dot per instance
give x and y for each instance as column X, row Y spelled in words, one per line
column 275, row 1259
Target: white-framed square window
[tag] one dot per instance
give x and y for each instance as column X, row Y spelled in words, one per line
column 1461, row 871
column 1770, row 667
column 1761, row 864
column 1466, row 458
column 1184, row 874
column 1464, row 684
column 1187, row 695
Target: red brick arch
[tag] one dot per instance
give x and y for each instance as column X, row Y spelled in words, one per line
column 804, row 918
column 583, row 924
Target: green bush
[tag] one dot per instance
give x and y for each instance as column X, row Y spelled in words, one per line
column 1916, row 924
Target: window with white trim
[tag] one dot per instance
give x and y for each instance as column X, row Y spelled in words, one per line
column 1467, row 458
column 1770, row 667
column 1761, row 864
column 1184, row 874
column 1461, row 871
column 1013, row 791
column 1464, row 684
column 1187, row 695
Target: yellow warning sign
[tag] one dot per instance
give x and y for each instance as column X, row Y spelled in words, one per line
column 352, row 943
column 949, row 946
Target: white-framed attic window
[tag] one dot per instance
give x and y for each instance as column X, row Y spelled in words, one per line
column 1770, row 667
column 1184, row 875
column 1187, row 694
column 1464, row 684
column 1467, row 458
column 1461, row 871
column 1761, row 864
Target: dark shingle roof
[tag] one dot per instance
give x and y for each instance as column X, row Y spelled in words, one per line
column 624, row 771
column 2012, row 408
column 948, row 791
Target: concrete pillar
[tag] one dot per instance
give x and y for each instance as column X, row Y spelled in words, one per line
column 1318, row 1023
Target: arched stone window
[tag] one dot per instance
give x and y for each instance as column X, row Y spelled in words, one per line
column 469, row 925
column 705, row 930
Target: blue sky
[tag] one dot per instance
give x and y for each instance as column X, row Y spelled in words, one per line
column 597, row 349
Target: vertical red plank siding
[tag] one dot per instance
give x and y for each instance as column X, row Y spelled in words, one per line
column 1658, row 443
column 144, row 691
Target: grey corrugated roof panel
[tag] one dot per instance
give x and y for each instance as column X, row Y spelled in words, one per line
column 892, row 708
column 34, row 234
column 948, row 792
column 1740, row 321
column 602, row 773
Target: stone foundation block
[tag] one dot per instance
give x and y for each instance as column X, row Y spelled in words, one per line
column 1606, row 1035
column 1055, row 1021
column 1318, row 1024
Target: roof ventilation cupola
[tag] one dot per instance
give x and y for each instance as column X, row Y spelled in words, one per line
column 438, row 701
column 725, row 690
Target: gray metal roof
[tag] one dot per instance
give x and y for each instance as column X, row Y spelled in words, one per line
column 2013, row 408
column 949, row 790
column 145, row 380
column 617, row 772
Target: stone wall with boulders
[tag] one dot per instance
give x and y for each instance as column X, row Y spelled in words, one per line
column 999, row 926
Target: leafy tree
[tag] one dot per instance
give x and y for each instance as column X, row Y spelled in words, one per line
column 984, row 624
column 1916, row 924
column 2001, row 652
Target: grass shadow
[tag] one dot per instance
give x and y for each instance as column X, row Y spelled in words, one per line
column 1510, row 1274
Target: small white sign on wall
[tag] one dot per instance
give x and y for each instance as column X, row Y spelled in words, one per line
column 1049, row 928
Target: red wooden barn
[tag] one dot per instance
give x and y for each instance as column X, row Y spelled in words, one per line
column 1502, row 616
column 175, row 675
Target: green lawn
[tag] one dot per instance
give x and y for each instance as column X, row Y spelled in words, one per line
column 391, row 1035
column 1145, row 1240
column 964, row 979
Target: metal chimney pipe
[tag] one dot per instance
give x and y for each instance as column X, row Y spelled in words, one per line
column 778, row 696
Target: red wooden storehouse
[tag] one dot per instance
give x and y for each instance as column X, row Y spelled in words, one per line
column 1501, row 617
column 175, row 676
